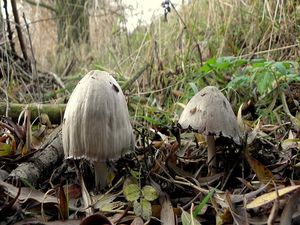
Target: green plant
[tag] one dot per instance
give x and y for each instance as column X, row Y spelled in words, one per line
column 141, row 198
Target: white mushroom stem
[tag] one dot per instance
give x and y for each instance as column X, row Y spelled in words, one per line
column 101, row 174
column 211, row 155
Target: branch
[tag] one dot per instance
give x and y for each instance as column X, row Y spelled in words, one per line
column 42, row 163
column 19, row 32
column 9, row 31
column 55, row 112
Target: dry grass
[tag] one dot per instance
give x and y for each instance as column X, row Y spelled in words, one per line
column 231, row 27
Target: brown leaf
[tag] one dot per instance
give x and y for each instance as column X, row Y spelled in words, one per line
column 28, row 193
column 263, row 174
column 238, row 215
column 137, row 221
column 167, row 216
column 96, row 219
column 63, row 204
column 290, row 208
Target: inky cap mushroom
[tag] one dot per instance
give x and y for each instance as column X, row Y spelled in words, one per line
column 210, row 113
column 96, row 123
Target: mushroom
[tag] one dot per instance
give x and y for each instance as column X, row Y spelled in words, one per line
column 96, row 123
column 210, row 113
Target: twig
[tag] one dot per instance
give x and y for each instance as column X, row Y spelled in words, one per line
column 68, row 68
column 19, row 32
column 128, row 84
column 33, row 62
column 190, row 184
column 58, row 80
column 192, row 35
column 10, row 33
column 269, row 50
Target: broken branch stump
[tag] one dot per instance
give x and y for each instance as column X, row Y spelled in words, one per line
column 41, row 165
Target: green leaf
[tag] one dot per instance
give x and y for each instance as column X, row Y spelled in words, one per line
column 143, row 209
column 203, row 202
column 149, row 193
column 146, row 209
column 5, row 149
column 280, row 67
column 264, row 82
column 208, row 65
column 132, row 192
column 137, row 208
column 188, row 219
column 194, row 87
column 239, row 81
column 150, row 120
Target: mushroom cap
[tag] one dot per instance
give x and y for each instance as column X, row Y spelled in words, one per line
column 96, row 123
column 210, row 113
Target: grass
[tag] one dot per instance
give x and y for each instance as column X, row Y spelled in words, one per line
column 227, row 36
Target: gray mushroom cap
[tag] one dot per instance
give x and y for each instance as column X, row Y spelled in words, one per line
column 210, row 113
column 96, row 123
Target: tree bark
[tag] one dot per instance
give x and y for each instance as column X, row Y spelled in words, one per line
column 41, row 165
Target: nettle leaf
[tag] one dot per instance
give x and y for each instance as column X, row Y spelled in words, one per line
column 281, row 67
column 149, row 193
column 293, row 77
column 208, row 65
column 188, row 219
column 143, row 209
column 264, row 82
column 239, row 81
column 132, row 192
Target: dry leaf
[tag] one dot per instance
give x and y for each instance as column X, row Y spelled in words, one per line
column 290, row 208
column 96, row 219
column 240, row 119
column 28, row 193
column 137, row 221
column 263, row 174
column 63, row 204
column 269, row 197
column 167, row 214
column 238, row 215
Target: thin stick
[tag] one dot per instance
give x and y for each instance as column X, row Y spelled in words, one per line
column 269, row 50
column 19, row 32
column 33, row 62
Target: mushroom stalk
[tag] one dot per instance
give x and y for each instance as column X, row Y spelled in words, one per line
column 211, row 155
column 101, row 174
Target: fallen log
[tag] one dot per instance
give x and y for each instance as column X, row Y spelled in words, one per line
column 55, row 112
column 41, row 165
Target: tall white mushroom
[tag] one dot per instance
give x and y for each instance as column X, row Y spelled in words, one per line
column 210, row 113
column 96, row 123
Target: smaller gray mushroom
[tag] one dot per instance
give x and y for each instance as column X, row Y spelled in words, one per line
column 210, row 113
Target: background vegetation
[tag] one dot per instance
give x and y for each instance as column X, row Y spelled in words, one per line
column 72, row 38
